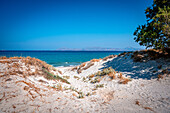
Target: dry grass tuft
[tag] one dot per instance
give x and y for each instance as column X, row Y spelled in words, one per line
column 82, row 65
column 74, row 95
column 160, row 66
column 59, row 87
column 148, row 108
column 2, row 97
column 45, row 82
column 3, row 57
column 26, row 88
column 15, row 65
column 165, row 71
column 124, row 81
column 76, row 77
column 120, row 76
column 112, row 75
column 60, row 72
column 79, row 71
column 74, row 68
column 67, row 77
column 5, row 61
column 31, row 86
column 137, row 103
column 95, row 60
column 91, row 76
column 160, row 77
column 108, row 57
column 88, row 66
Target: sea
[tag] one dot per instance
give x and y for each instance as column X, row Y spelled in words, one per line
column 61, row 58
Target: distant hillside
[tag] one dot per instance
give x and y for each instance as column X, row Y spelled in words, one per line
column 99, row 49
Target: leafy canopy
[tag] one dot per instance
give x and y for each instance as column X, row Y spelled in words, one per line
column 156, row 32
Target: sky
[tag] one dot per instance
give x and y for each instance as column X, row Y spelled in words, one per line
column 53, row 24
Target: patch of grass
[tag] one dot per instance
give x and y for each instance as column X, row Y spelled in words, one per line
column 105, row 71
column 98, row 76
column 53, row 77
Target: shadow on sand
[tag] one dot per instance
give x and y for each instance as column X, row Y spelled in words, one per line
column 145, row 70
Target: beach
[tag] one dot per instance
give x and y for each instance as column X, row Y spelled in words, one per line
column 134, row 82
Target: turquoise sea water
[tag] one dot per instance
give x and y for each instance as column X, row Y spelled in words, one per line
column 61, row 58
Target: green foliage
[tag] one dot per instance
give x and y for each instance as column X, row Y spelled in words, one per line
column 156, row 32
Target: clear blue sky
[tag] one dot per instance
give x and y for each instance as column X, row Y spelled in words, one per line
column 52, row 24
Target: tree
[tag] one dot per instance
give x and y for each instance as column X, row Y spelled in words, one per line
column 156, row 32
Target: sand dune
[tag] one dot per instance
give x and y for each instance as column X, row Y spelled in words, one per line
column 91, row 87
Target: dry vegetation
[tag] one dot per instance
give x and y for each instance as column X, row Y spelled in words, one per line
column 108, row 57
column 145, row 107
column 110, row 72
column 23, row 66
column 82, row 67
column 151, row 54
column 95, row 60
column 124, row 80
column 87, row 65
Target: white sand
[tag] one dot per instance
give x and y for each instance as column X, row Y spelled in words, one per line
column 151, row 94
